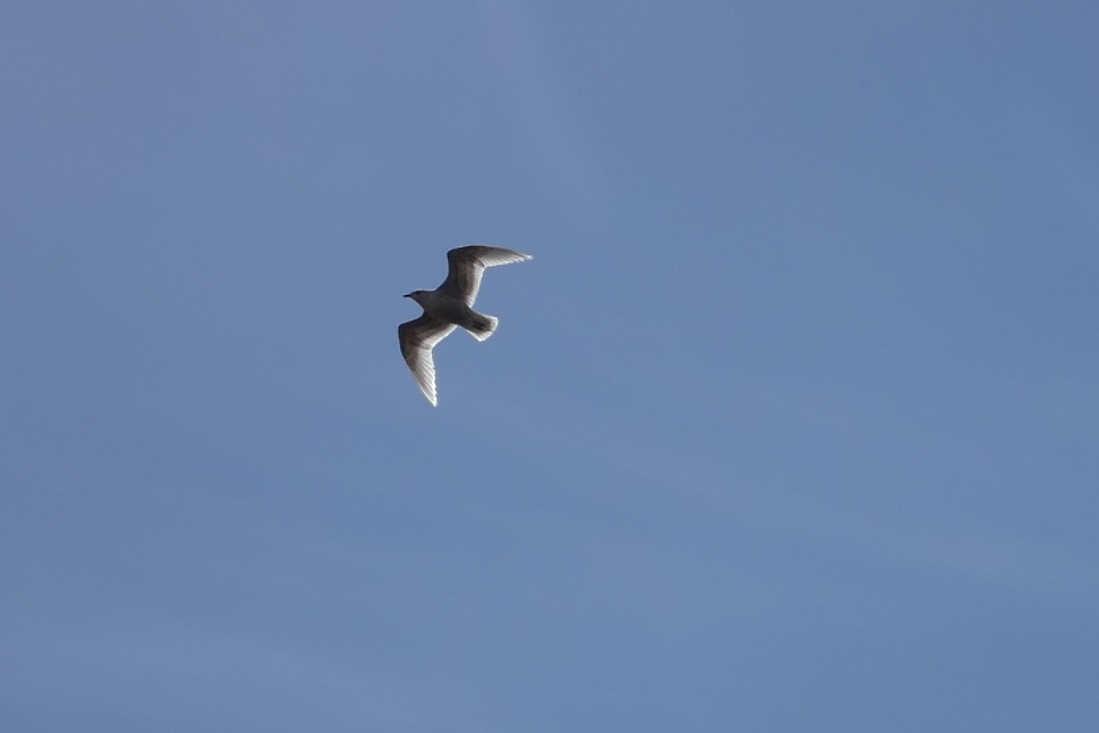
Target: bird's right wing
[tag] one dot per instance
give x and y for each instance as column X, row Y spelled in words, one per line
column 467, row 264
column 418, row 337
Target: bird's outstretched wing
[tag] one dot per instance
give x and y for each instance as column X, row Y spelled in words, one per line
column 467, row 264
column 418, row 337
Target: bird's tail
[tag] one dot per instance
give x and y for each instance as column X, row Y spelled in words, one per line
column 481, row 326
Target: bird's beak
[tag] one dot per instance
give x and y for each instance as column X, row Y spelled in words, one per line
column 407, row 295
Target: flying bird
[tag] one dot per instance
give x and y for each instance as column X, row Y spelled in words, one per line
column 449, row 306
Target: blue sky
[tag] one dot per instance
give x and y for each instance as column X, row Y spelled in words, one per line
column 790, row 425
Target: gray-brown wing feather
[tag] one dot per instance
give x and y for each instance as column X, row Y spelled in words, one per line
column 467, row 265
column 418, row 337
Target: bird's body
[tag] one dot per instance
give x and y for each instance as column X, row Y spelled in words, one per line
column 448, row 307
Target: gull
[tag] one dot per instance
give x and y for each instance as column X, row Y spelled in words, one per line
column 449, row 306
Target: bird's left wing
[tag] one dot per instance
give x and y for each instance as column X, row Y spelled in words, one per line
column 467, row 265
